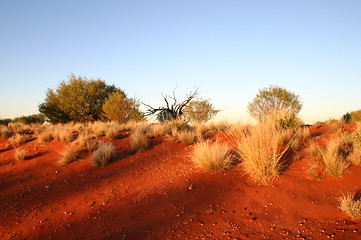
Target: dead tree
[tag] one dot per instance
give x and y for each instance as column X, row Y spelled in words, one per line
column 173, row 108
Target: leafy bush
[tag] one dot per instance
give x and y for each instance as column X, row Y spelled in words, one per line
column 199, row 110
column 273, row 98
column 105, row 153
column 212, row 156
column 78, row 100
column 121, row 109
column 35, row 118
column 352, row 117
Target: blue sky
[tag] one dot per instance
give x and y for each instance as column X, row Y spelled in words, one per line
column 229, row 49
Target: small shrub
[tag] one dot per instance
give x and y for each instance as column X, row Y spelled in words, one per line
column 68, row 156
column 138, row 140
column 103, row 155
column 212, row 156
column 351, row 205
column 20, row 154
column 18, row 139
column 333, row 158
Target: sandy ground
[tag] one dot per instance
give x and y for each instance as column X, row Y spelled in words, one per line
column 160, row 194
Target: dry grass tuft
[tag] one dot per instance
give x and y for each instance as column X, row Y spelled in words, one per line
column 105, row 153
column 187, row 137
column 156, row 130
column 45, row 137
column 5, row 132
column 138, row 140
column 112, row 132
column 262, row 149
column 351, row 205
column 98, row 128
column 68, row 156
column 18, row 139
column 20, row 154
column 212, row 156
column 333, row 158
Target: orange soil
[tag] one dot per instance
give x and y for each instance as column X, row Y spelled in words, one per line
column 160, row 194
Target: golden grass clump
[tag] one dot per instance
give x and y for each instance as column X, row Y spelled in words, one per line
column 63, row 133
column 45, row 137
column 212, row 156
column 105, row 153
column 5, row 132
column 138, row 140
column 20, row 154
column 351, row 205
column 112, row 132
column 68, row 156
column 262, row 149
column 98, row 128
column 187, row 136
column 333, row 158
column 18, row 139
column 156, row 130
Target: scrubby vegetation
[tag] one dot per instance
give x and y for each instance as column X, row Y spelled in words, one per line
column 20, row 154
column 351, row 205
column 68, row 156
column 212, row 156
column 105, row 153
column 138, row 140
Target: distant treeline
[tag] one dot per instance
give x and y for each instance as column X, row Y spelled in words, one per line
column 34, row 118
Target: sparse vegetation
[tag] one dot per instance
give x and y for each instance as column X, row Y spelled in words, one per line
column 351, row 205
column 18, row 139
column 20, row 154
column 68, row 156
column 112, row 132
column 104, row 154
column 45, row 137
column 262, row 149
column 212, row 156
column 138, row 140
column 334, row 158
column 187, row 136
column 5, row 133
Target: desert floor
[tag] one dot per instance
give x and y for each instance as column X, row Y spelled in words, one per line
column 159, row 193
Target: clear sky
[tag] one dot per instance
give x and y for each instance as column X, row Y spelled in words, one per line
column 229, row 49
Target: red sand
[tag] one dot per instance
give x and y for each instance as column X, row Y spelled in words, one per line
column 160, row 194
